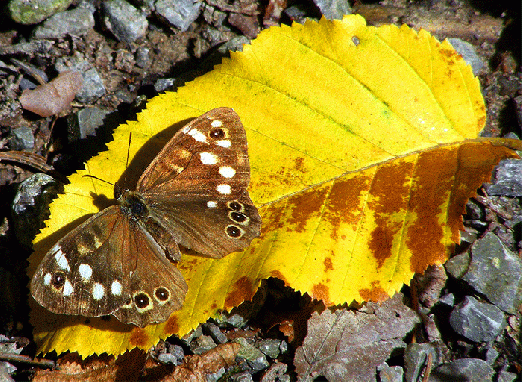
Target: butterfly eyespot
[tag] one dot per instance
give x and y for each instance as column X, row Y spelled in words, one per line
column 238, row 217
column 162, row 294
column 217, row 133
column 58, row 280
column 234, row 232
column 141, row 300
column 236, row 206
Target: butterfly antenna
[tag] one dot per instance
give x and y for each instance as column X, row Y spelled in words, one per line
column 128, row 150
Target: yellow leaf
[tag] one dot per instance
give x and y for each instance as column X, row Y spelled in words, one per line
column 361, row 166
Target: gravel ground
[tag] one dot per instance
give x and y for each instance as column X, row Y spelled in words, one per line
column 470, row 308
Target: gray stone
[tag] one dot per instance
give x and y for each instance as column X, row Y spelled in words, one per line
column 163, row 84
column 333, row 9
column 491, row 355
column 202, row 344
column 180, row 13
column 30, row 206
column 415, row 356
column 126, row 22
column 507, row 179
column 76, row 22
column 448, row 299
column 477, row 321
column 214, row 377
column 93, row 87
column 242, row 377
column 85, row 122
column 254, row 357
column 467, row 51
column 464, row 369
column 142, row 57
column 22, row 139
column 34, row 11
column 458, row 265
column 506, row 376
column 172, row 354
column 496, row 272
column 217, row 335
column 270, row 347
column 390, row 374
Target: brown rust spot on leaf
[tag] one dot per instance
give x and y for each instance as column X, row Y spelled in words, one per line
column 390, row 191
column 328, row 266
column 171, row 326
column 343, row 202
column 138, row 337
column 321, row 292
column 434, row 175
column 305, row 205
column 242, row 290
column 275, row 273
column 375, row 293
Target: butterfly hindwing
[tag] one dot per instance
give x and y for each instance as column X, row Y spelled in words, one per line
column 75, row 276
column 105, row 264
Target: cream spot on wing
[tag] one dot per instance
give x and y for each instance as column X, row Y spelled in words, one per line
column 223, row 189
column 61, row 260
column 208, row 158
column 211, row 204
column 116, row 288
column 85, row 271
column 216, row 123
column 197, row 135
column 224, row 143
column 98, row 291
column 227, row 172
column 47, row 279
column 67, row 288
column 183, row 154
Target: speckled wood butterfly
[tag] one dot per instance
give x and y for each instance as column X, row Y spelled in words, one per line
column 120, row 261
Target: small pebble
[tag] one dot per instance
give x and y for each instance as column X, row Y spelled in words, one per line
column 477, row 321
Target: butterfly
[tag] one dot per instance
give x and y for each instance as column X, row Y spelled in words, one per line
column 121, row 261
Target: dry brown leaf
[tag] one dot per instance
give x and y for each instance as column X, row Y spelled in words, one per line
column 54, row 97
column 348, row 346
column 195, row 368
column 126, row 367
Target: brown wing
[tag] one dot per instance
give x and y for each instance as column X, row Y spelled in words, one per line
column 93, row 271
column 196, row 188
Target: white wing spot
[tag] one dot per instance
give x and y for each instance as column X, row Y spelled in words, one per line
column 216, row 123
column 116, row 288
column 98, row 291
column 227, row 172
column 208, row 158
column 224, row 143
column 61, row 260
column 197, row 135
column 47, row 279
column 223, row 189
column 85, row 271
column 211, row 204
column 67, row 288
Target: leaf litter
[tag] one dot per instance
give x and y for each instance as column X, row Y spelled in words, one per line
column 347, row 345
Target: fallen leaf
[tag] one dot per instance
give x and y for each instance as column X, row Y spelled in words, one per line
column 348, row 346
column 54, row 97
column 360, row 173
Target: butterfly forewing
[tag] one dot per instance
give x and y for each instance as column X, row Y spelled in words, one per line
column 204, row 202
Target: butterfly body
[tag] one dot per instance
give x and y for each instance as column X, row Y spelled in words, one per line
column 120, row 261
